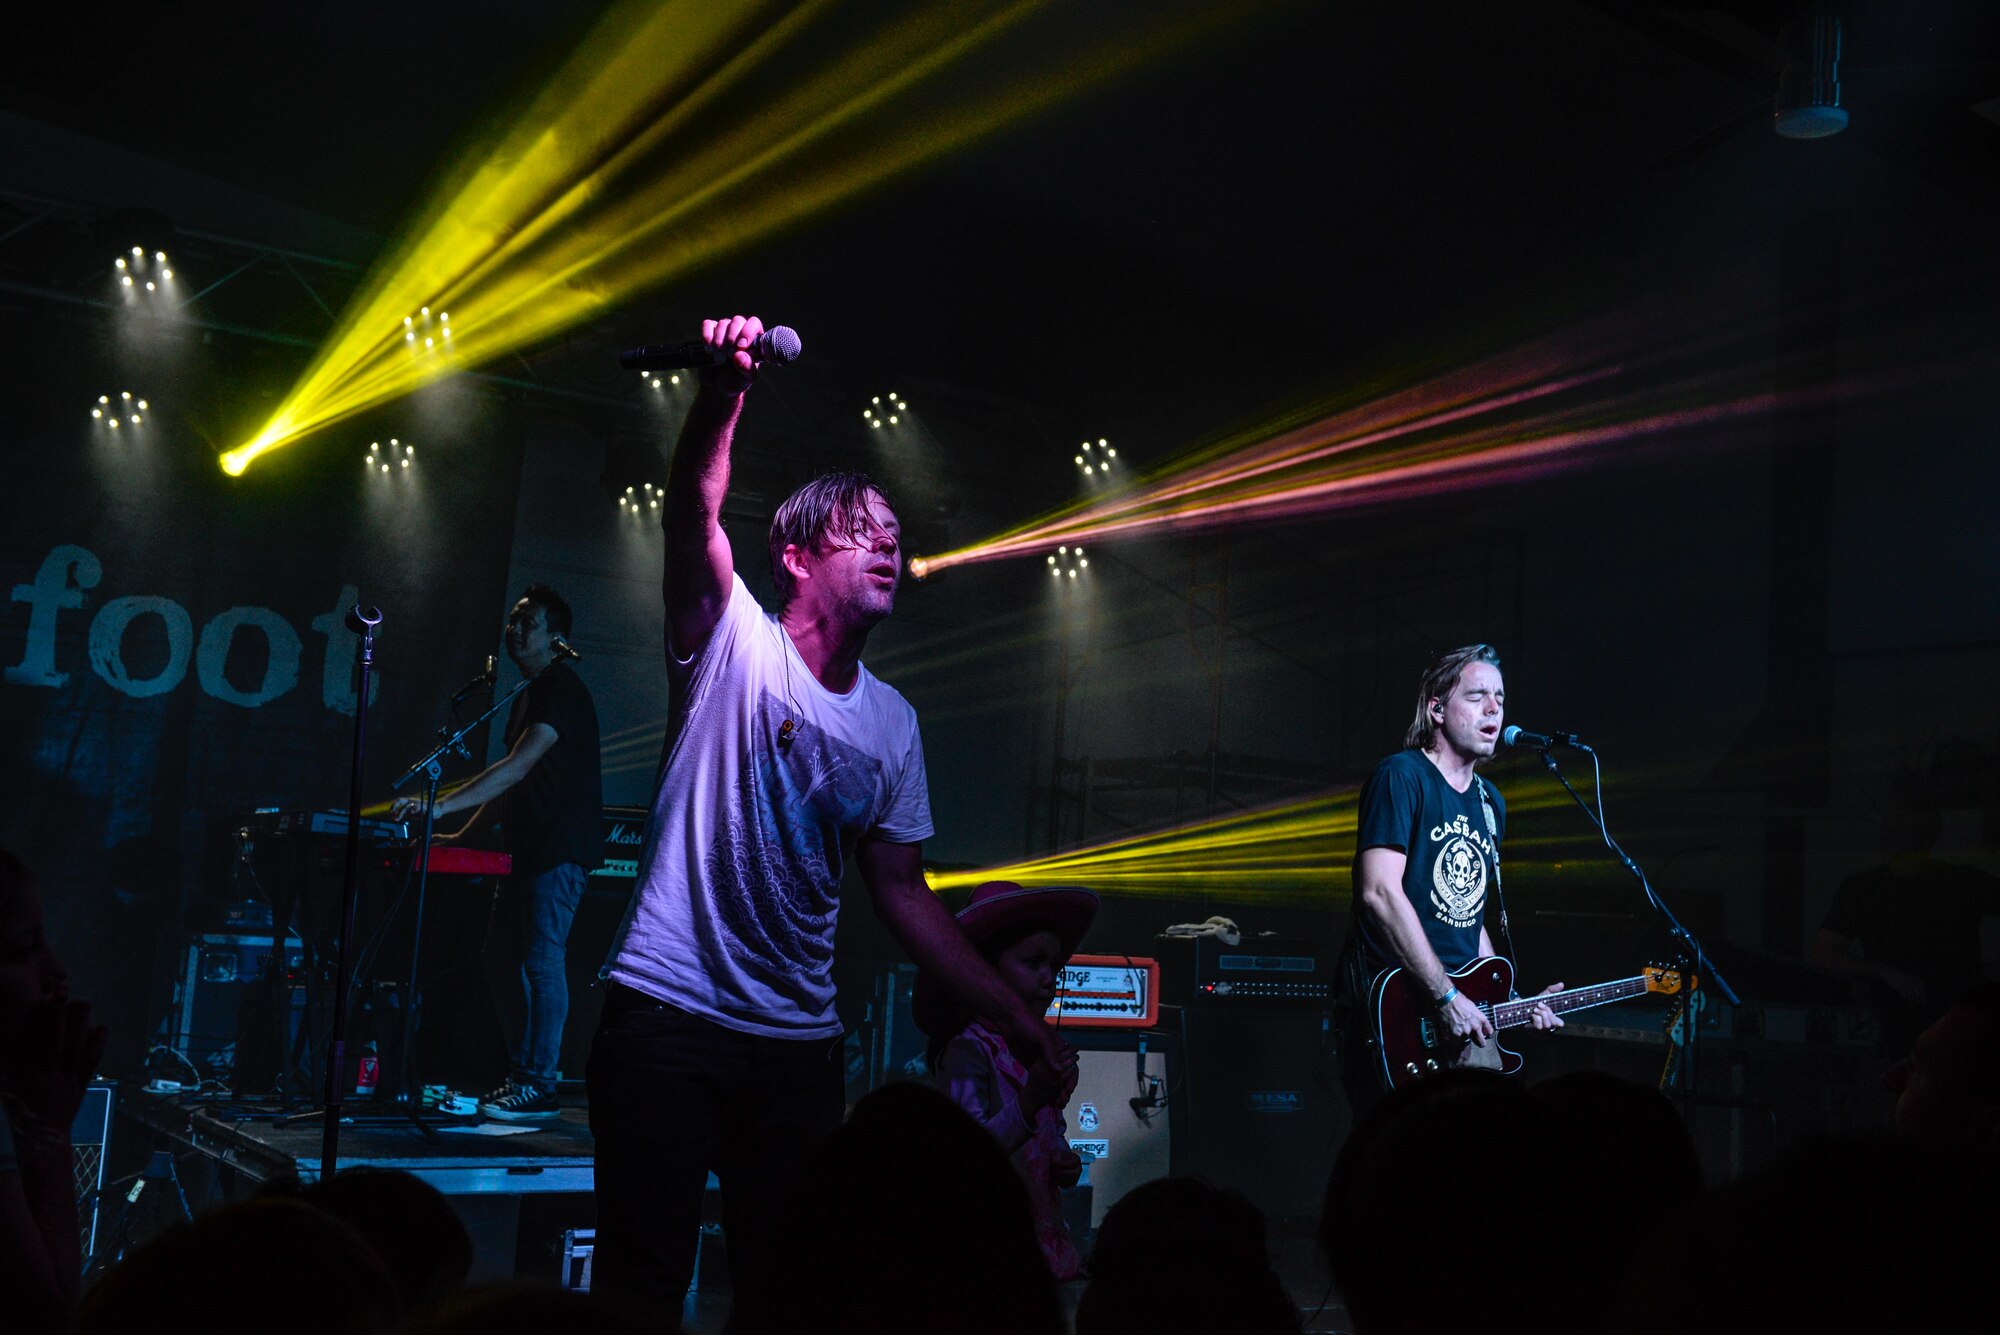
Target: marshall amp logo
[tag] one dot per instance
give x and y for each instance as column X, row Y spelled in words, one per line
column 624, row 832
column 1277, row 1101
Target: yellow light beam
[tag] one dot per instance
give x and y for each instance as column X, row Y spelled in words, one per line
column 677, row 133
column 1297, row 849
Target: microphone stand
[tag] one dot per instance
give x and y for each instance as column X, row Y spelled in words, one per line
column 363, row 621
column 410, row 1098
column 1696, row 968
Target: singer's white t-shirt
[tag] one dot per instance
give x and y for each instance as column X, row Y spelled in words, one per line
column 739, row 878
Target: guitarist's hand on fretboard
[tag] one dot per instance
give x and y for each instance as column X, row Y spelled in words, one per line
column 1544, row 1018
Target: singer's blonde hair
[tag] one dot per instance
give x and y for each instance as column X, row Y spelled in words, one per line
column 1439, row 681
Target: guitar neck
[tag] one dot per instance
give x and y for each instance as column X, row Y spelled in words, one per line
column 1510, row 1013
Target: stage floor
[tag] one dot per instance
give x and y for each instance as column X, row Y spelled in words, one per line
column 456, row 1157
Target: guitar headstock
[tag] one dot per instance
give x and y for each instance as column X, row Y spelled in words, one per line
column 1662, row 979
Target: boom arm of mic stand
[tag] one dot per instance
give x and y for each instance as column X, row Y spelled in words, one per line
column 448, row 745
column 1699, row 956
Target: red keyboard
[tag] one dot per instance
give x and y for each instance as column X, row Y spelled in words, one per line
column 450, row 860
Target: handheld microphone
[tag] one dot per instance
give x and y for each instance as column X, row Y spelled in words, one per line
column 564, row 649
column 481, row 682
column 1538, row 741
column 777, row 344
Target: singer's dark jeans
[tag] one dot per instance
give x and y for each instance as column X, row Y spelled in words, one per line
column 526, row 944
column 672, row 1096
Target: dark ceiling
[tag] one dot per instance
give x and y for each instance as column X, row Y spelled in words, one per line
column 1324, row 186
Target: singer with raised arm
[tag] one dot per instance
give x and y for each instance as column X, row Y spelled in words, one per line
column 786, row 760
column 549, row 794
column 1427, row 851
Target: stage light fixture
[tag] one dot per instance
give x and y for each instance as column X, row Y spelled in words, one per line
column 121, row 261
column 114, row 424
column 97, row 412
column 1065, row 562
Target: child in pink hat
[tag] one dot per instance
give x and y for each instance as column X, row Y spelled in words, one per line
column 1027, row 935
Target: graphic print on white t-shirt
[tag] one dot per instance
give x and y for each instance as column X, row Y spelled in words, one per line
column 775, row 865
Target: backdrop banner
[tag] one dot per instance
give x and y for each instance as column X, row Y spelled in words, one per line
column 173, row 648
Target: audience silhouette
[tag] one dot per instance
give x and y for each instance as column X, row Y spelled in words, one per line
column 262, row 1264
column 1179, row 1255
column 407, row 1221
column 49, row 1050
column 908, row 1218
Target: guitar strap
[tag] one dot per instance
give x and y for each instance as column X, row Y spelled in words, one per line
column 1499, row 890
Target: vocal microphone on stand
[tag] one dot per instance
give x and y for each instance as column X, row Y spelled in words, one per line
column 777, row 344
column 564, row 649
column 1540, row 741
column 484, row 681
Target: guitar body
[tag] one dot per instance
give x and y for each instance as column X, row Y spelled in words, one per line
column 1411, row 1041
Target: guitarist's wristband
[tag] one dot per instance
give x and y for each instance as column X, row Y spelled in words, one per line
column 1447, row 998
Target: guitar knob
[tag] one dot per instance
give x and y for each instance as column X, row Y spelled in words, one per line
column 1411, row 1067
column 1430, row 1064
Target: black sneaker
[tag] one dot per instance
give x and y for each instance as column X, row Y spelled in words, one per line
column 518, row 1103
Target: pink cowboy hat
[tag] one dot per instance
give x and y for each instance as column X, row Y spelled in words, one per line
column 996, row 906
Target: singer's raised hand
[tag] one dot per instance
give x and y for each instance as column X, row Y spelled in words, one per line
column 734, row 338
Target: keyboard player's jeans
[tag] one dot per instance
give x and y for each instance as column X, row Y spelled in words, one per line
column 525, row 946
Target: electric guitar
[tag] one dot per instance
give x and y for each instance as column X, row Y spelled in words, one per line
column 1411, row 1040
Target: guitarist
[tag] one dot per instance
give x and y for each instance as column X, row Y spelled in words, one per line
column 1427, row 849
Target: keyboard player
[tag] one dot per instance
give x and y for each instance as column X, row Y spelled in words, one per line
column 547, row 794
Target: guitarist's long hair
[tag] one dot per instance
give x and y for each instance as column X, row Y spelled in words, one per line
column 1439, row 681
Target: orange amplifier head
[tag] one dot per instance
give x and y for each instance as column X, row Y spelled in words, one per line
column 1107, row 992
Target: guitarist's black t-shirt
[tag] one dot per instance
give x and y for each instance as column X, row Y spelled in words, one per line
column 1451, row 841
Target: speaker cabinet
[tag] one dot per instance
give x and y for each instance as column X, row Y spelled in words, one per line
column 90, row 1151
column 1259, row 1106
column 1119, row 1118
